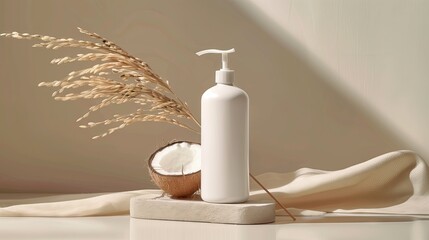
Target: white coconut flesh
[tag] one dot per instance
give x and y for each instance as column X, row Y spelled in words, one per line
column 177, row 159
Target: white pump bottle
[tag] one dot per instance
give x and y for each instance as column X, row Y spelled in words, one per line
column 224, row 138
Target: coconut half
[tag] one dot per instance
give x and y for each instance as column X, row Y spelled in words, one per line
column 176, row 168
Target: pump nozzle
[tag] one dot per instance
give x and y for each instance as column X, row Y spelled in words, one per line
column 224, row 75
column 223, row 52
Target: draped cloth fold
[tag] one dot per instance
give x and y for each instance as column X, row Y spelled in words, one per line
column 393, row 183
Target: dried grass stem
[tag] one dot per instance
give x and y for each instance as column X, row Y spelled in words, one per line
column 117, row 78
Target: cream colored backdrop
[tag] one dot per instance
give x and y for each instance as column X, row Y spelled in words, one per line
column 332, row 83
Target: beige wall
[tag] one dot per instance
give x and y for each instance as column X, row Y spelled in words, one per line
column 375, row 51
column 330, row 84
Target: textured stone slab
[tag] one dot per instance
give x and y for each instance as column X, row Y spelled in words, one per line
column 196, row 210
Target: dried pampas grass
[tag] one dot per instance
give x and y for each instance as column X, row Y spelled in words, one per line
column 117, row 78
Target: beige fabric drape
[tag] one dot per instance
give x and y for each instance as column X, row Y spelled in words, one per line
column 396, row 182
column 393, row 183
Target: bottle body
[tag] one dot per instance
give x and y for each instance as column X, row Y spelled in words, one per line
column 225, row 145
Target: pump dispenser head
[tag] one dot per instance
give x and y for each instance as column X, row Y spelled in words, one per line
column 223, row 75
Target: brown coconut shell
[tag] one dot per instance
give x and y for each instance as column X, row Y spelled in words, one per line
column 178, row 186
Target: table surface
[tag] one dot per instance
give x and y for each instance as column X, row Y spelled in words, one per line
column 123, row 227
